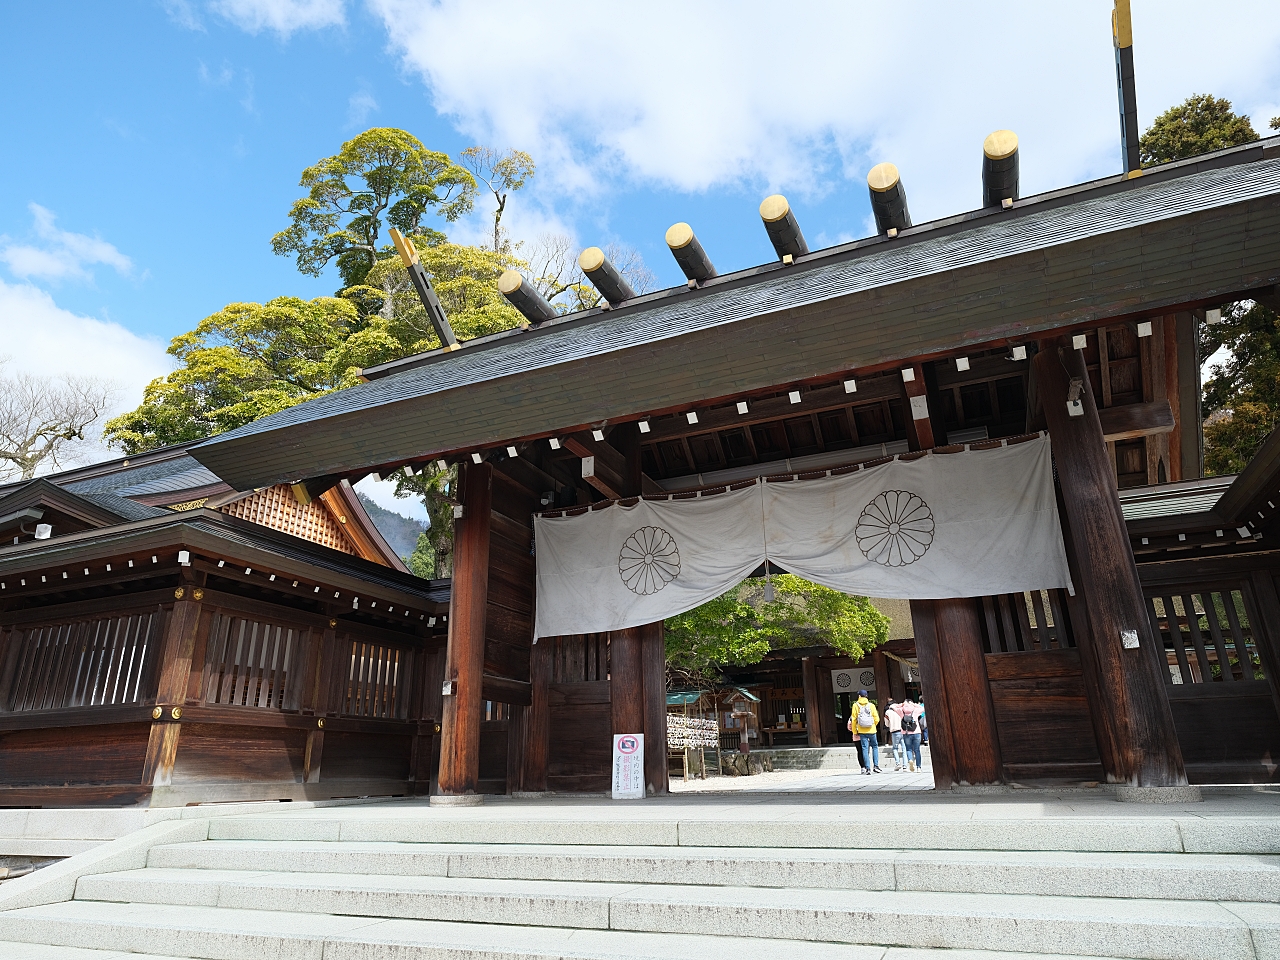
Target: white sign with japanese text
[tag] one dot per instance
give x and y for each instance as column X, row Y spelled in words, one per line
column 628, row 766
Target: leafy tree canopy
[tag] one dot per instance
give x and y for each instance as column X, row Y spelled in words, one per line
column 466, row 281
column 1198, row 125
column 384, row 174
column 244, row 362
column 740, row 626
column 1242, row 395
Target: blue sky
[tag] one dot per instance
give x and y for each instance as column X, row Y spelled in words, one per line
column 152, row 147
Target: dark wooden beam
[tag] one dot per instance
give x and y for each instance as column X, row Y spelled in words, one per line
column 1121, row 657
column 1186, row 349
column 919, row 432
column 981, row 370
column 609, row 467
column 809, row 680
column 1136, row 420
column 952, row 662
column 504, row 690
column 815, row 400
column 654, row 656
column 538, row 719
column 464, row 661
column 943, row 740
column 626, row 680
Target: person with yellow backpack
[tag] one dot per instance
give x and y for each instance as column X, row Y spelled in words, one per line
column 863, row 721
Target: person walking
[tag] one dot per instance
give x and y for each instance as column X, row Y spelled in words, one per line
column 911, row 714
column 865, row 720
column 893, row 723
column 857, row 744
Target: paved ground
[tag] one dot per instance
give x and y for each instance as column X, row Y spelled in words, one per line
column 817, row 781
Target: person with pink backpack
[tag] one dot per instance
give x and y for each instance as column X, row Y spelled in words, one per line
column 911, row 714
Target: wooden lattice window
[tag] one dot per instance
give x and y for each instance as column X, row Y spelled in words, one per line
column 1205, row 635
column 276, row 507
column 1026, row 622
column 80, row 663
column 249, row 662
column 374, row 680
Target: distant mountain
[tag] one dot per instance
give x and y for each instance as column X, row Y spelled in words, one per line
column 398, row 530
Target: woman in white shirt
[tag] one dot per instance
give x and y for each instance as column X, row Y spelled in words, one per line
column 893, row 722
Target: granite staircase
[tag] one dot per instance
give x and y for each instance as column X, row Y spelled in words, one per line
column 427, row 884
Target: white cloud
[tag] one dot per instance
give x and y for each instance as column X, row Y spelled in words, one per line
column 282, row 17
column 62, row 254
column 694, row 97
column 42, row 338
column 182, row 13
column 219, row 78
column 359, row 106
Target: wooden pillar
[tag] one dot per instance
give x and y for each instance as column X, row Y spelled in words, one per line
column 963, row 743
column 1186, row 417
column 313, row 754
column 328, row 667
column 626, row 680
column 517, row 742
column 654, row 655
column 897, row 686
column 533, row 777
column 1266, row 630
column 809, row 677
column 464, row 659
column 826, row 706
column 879, row 665
column 178, row 646
column 1125, row 685
column 176, row 651
column 933, row 692
column 919, row 432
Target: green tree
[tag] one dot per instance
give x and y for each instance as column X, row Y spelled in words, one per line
column 1200, row 124
column 435, row 488
column 502, row 173
column 243, row 362
column 422, row 562
column 740, row 626
column 466, row 281
column 382, row 174
column 1242, row 395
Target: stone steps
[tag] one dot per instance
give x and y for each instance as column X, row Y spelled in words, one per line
column 142, row 933
column 1148, row 876
column 834, row 827
column 1143, row 928
column 881, row 880
column 835, row 759
column 696, row 923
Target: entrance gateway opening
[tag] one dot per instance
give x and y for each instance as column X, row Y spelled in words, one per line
column 930, row 343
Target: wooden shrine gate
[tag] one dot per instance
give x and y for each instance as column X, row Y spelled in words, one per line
column 801, row 364
column 524, row 716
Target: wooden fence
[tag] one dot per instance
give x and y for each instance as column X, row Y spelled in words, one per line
column 279, row 703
